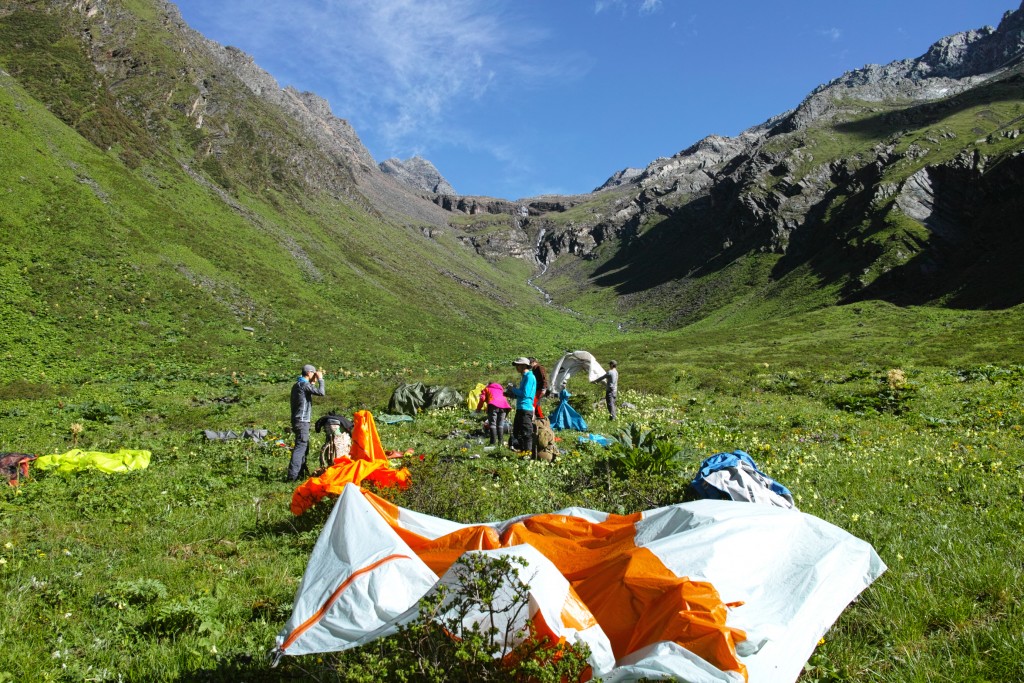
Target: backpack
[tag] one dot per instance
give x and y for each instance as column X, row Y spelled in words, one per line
column 336, row 430
column 544, row 447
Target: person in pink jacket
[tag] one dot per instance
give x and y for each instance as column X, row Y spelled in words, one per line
column 493, row 398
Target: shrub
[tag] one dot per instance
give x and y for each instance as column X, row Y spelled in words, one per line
column 892, row 394
column 470, row 633
column 641, row 451
column 134, row 593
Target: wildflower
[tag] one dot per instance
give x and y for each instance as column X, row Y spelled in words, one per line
column 76, row 429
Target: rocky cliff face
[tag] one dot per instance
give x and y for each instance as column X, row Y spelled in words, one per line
column 417, row 173
column 949, row 67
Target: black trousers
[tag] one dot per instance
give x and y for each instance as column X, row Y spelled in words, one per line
column 522, row 431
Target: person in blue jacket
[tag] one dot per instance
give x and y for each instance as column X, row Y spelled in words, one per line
column 309, row 384
column 522, row 426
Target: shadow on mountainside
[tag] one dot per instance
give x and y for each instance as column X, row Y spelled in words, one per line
column 972, row 258
column 968, row 256
column 681, row 245
column 1006, row 87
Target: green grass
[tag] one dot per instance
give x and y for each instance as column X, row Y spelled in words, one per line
column 187, row 569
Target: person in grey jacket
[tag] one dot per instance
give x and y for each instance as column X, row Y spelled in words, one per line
column 309, row 384
column 611, row 390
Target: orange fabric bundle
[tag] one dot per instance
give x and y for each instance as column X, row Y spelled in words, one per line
column 368, row 462
column 365, row 440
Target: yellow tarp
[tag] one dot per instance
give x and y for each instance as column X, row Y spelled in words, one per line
column 474, row 396
column 75, row 460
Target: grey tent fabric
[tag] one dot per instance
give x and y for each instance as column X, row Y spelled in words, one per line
column 256, row 435
column 409, row 399
column 392, row 419
column 574, row 363
column 212, row 435
column 444, row 397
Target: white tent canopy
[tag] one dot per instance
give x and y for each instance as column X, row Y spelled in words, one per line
column 574, row 363
column 785, row 576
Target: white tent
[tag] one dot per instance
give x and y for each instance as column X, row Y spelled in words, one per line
column 574, row 363
column 780, row 578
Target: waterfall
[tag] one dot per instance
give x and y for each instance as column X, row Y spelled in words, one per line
column 543, row 267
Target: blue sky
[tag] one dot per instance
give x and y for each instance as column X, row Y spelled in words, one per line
column 518, row 98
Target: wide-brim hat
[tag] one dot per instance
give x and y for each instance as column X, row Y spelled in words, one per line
column 522, row 360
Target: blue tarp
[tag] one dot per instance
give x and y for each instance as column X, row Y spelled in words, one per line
column 735, row 476
column 565, row 417
column 596, row 438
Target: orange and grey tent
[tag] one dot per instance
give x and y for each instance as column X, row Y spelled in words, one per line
column 710, row 591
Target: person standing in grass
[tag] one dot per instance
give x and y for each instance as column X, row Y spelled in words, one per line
column 309, row 384
column 522, row 426
column 611, row 387
column 493, row 398
column 541, row 374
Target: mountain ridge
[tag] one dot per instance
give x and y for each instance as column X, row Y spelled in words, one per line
column 167, row 199
column 767, row 190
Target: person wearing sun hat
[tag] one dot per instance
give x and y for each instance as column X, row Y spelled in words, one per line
column 522, row 426
column 309, row 384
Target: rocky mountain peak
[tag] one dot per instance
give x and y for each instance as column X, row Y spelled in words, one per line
column 418, row 174
column 950, row 66
column 620, row 178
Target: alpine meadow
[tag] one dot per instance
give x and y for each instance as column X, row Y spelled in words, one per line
column 837, row 292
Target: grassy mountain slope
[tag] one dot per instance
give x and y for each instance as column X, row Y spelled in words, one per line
column 122, row 249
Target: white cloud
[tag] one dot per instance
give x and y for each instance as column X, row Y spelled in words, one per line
column 648, row 6
column 645, row 6
column 396, row 67
column 833, row 34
